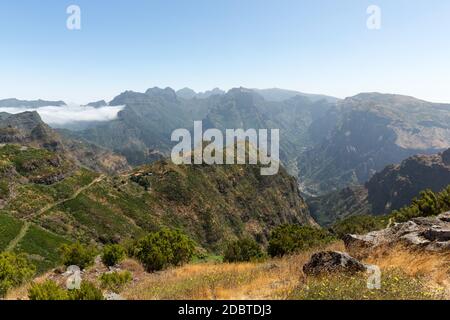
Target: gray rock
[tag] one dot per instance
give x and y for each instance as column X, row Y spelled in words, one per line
column 333, row 262
column 429, row 233
column 437, row 234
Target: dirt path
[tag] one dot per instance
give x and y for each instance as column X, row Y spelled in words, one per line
column 23, row 231
column 19, row 237
column 74, row 195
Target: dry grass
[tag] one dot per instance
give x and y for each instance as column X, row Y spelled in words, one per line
column 404, row 272
column 406, row 275
column 274, row 279
column 433, row 266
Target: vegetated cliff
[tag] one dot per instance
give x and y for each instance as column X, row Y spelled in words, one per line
column 390, row 189
column 212, row 204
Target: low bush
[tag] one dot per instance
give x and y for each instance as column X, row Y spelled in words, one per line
column 88, row 291
column 113, row 254
column 115, row 281
column 427, row 204
column 161, row 249
column 48, row 290
column 78, row 254
column 291, row 238
column 242, row 251
column 14, row 271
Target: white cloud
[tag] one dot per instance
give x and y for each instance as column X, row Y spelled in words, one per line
column 64, row 115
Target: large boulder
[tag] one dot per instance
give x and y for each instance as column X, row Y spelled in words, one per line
column 428, row 233
column 333, row 262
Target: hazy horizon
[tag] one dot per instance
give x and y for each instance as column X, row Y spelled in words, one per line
column 320, row 47
column 110, row 98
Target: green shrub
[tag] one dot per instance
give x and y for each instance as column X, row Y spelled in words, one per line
column 290, row 238
column 115, row 281
column 242, row 251
column 427, row 204
column 161, row 249
column 48, row 290
column 113, row 254
column 78, row 255
column 14, row 271
column 359, row 225
column 88, row 291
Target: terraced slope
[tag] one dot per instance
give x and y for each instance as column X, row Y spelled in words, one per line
column 46, row 200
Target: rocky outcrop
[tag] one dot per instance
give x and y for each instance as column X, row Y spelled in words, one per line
column 430, row 233
column 333, row 262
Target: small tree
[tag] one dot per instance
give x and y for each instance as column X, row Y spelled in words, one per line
column 242, row 251
column 113, row 254
column 161, row 249
column 78, row 255
column 14, row 271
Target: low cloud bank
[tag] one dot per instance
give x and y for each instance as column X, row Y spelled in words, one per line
column 66, row 115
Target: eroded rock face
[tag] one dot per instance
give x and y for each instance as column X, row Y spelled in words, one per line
column 333, row 262
column 430, row 233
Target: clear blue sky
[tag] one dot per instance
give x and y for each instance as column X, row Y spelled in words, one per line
column 320, row 46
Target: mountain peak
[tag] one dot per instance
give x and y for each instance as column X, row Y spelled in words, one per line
column 186, row 93
column 167, row 93
column 25, row 120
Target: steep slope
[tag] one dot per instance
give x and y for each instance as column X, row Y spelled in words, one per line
column 244, row 108
column 335, row 206
column 395, row 186
column 61, row 202
column 390, row 189
column 328, row 145
column 27, row 129
column 143, row 129
column 372, row 131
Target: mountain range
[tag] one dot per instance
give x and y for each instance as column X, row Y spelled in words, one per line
column 327, row 143
column 338, row 149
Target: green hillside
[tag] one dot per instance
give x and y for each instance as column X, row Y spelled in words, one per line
column 50, row 201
